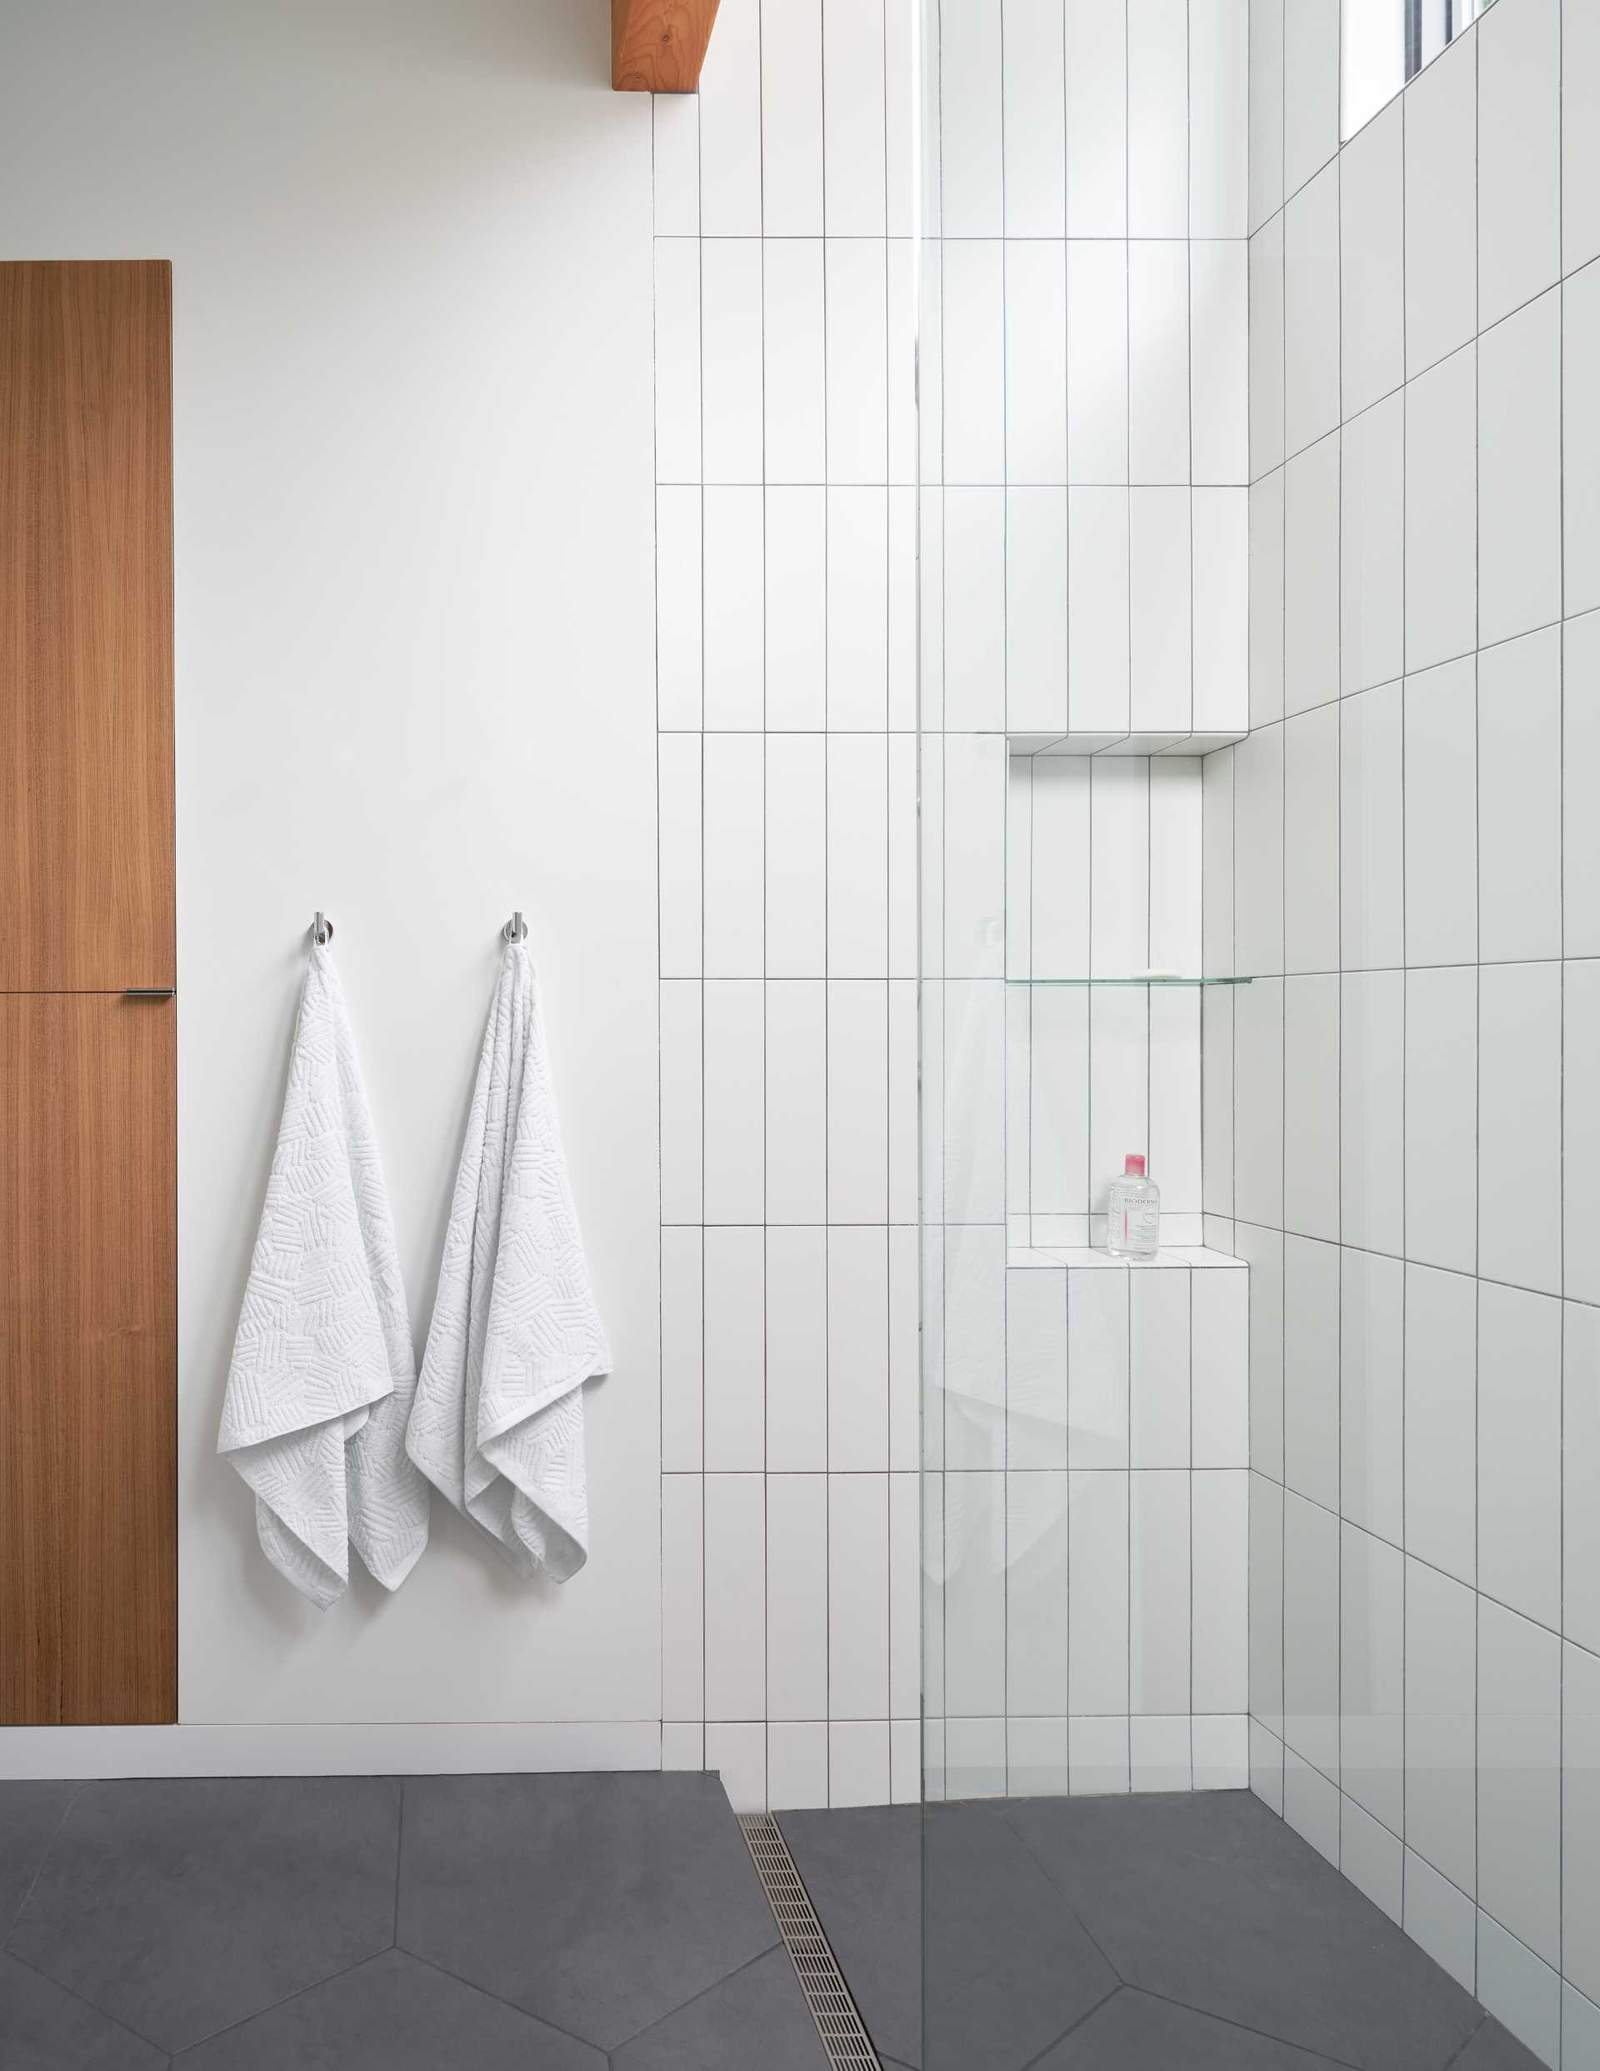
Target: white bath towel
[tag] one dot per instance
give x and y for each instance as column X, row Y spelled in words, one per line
column 323, row 1368
column 497, row 1425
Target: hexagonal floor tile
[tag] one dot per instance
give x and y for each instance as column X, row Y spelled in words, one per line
column 29, row 1816
column 43, row 2028
column 182, row 1906
column 1210, row 1900
column 758, row 2016
column 599, row 1903
column 392, row 2014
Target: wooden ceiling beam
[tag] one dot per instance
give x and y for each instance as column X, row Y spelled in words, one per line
column 658, row 46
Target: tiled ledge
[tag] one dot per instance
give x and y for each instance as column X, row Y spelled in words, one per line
column 1084, row 1257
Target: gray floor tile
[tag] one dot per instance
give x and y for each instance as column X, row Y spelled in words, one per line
column 756, row 2017
column 29, row 1816
column 1134, row 2032
column 43, row 2028
column 601, row 1903
column 1209, row 1899
column 1494, row 2048
column 392, row 2014
column 181, row 1907
column 1009, row 1966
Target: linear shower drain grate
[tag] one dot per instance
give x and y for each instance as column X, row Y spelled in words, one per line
column 844, row 2038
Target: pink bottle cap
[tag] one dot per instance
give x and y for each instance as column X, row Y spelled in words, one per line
column 1133, row 1164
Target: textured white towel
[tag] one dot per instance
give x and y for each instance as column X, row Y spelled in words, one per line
column 323, row 1369
column 497, row 1424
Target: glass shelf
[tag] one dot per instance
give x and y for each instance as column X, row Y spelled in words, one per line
column 1130, row 981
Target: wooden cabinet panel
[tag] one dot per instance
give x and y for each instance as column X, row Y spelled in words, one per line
column 86, row 805
column 88, row 1341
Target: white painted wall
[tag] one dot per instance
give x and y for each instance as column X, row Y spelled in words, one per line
column 412, row 274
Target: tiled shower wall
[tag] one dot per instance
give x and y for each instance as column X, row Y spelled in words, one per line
column 1406, row 851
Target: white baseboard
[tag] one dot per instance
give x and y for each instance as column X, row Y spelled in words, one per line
column 37, row 1752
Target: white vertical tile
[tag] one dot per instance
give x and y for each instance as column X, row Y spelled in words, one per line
column 974, row 1345
column 905, row 1606
column 1440, row 1420
column 1311, row 845
column 1220, row 1373
column 730, row 382
column 1217, row 1104
column 1158, row 1395
column 1372, row 1675
column 1266, row 599
column 1159, row 1755
column 1311, row 1105
column 1372, row 1044
column 1441, row 188
column 797, row 1595
column 1221, row 610
column 857, row 359
column 1058, row 1107
column 1037, row 1594
column 1519, row 1124
column 858, row 1596
column 1580, row 1820
column 1266, row 110
column 797, row 1764
column 858, row 881
column 1371, row 829
column 1173, row 1129
column 858, row 609
column 730, row 126
column 1219, row 55
column 1220, row 1559
column 1119, row 1085
column 1372, row 546
column 971, row 104
column 1037, row 628
column 795, row 414
column 1097, row 1370
column 1311, row 1634
column 796, row 607
column 1098, row 1751
column 1522, row 1992
column 853, row 114
column 1580, row 782
column 796, row 870
column 1519, row 471
column 797, row 1349
column 1098, row 1623
column 1266, row 349
column 974, row 605
column 1175, row 862
column 1580, row 135
column 1519, row 1777
column 1580, row 1463
column 1311, row 1370
column 1158, row 120
column 1266, row 1602
column 1097, row 361
column 735, row 1357
column 683, row 1746
column 1580, row 439
column 1519, row 155
column 1372, row 1856
column 1441, row 780
column 1258, row 1127
column 975, row 1757
column 1060, row 835
column 677, row 359
column 791, row 121
column 682, row 1100
column 1519, row 1450
column 1035, row 130
column 735, row 1101
column 904, row 300
column 1311, row 577
column 1580, row 1112
column 1310, row 88
column 682, row 1597
column 675, row 142
column 734, row 765
column 1098, row 608
column 732, row 581
column 797, row 1101
column 974, row 1595
column 973, row 1144
column 974, row 853
column 858, row 1121
column 858, row 1350
column 1158, row 361
column 682, row 1345
column 904, row 576
column 1442, row 1919
column 1441, row 1726
column 1097, row 127
column 678, row 593
column 1372, row 1392
column 1311, row 306
column 1219, row 353
column 735, row 1612
column 736, row 1750
column 1038, row 1758
column 1580, row 2030
column 1372, row 261
column 1036, row 362
column 1441, row 511
column 1161, row 627
column 902, row 1101
column 678, row 782
column 905, row 1346
column 974, row 361
column 1158, row 1610
column 1036, row 1370
column 858, row 1763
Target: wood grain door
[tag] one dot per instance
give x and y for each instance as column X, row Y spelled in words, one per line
column 88, row 1076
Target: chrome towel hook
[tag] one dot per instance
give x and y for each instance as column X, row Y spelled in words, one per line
column 321, row 930
column 516, row 928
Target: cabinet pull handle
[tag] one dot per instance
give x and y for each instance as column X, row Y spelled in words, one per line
column 148, row 992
